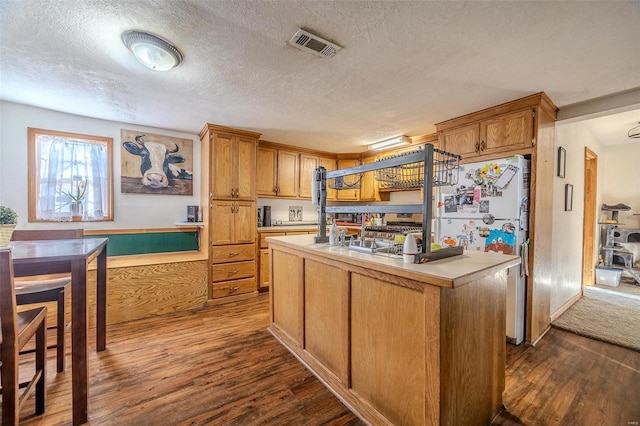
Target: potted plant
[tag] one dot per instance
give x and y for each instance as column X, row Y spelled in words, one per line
column 77, row 194
column 8, row 222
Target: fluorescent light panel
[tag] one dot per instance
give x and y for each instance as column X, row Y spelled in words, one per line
column 391, row 143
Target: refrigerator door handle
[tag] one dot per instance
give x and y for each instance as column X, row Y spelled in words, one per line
column 524, row 258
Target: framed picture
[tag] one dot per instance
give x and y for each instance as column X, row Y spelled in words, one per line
column 568, row 197
column 155, row 164
column 562, row 162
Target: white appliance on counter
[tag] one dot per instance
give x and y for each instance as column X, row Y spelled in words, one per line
column 488, row 211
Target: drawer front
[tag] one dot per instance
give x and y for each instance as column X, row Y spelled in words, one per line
column 231, row 288
column 232, row 271
column 233, row 253
column 264, row 235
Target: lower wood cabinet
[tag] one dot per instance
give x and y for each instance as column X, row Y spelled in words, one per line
column 232, row 271
column 397, row 350
column 263, row 254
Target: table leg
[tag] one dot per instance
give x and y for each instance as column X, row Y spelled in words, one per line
column 101, row 301
column 79, row 364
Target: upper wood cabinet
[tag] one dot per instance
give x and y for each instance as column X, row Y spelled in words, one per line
column 232, row 164
column 368, row 185
column 277, row 172
column 267, row 171
column 288, row 173
column 330, row 165
column 308, row 165
column 512, row 131
column 346, row 193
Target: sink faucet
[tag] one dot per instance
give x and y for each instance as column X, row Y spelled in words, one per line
column 342, row 237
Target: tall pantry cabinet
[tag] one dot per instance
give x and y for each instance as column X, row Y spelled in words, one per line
column 228, row 187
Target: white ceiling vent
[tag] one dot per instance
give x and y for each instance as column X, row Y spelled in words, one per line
column 304, row 40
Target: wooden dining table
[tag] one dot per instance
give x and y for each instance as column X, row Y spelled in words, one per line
column 44, row 257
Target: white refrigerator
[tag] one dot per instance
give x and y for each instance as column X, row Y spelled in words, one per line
column 488, row 211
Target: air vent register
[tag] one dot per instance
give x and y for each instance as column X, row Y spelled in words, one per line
column 304, row 40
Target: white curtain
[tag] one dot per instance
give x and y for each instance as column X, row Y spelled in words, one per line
column 67, row 168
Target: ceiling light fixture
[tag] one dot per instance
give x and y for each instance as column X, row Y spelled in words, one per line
column 152, row 51
column 391, row 143
column 634, row 132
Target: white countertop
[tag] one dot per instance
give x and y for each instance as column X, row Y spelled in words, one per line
column 450, row 272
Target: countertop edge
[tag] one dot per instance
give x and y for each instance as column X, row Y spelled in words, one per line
column 451, row 272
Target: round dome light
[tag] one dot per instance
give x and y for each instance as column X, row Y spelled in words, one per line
column 152, row 51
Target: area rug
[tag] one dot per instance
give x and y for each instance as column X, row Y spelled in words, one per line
column 609, row 314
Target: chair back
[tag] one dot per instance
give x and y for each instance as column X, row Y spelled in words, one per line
column 46, row 234
column 8, row 310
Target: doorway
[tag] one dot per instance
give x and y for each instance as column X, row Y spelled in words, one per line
column 589, row 224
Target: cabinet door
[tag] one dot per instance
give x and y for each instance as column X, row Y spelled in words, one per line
column 267, row 171
column 287, row 173
column 263, row 282
column 462, row 140
column 245, row 169
column 244, row 222
column 506, row 132
column 222, row 167
column 368, row 186
column 222, row 222
column 349, row 194
column 308, row 165
column 330, row 165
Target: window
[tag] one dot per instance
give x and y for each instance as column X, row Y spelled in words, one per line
column 69, row 176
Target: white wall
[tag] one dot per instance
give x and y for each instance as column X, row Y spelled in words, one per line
column 567, row 225
column 621, row 166
column 130, row 210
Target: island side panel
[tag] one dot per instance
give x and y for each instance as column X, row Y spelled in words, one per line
column 473, row 324
column 326, row 335
column 388, row 348
column 287, row 294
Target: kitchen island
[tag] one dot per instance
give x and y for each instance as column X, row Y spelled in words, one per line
column 398, row 343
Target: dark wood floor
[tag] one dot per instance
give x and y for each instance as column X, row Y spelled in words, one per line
column 220, row 366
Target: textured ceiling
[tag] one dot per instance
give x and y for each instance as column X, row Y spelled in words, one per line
column 404, row 65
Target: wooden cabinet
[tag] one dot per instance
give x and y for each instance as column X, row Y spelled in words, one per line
column 330, row 165
column 263, row 254
column 229, row 184
column 267, row 171
column 277, row 173
column 395, row 349
column 349, row 181
column 308, row 165
column 462, row 140
column 288, row 173
column 493, row 136
column 233, row 165
column 368, row 185
column 233, row 222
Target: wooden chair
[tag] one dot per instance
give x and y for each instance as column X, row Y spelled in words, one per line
column 39, row 290
column 16, row 330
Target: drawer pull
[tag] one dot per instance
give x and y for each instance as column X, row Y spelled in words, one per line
column 232, row 272
column 235, row 253
column 234, row 288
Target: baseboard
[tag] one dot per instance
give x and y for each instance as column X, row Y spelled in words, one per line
column 566, row 306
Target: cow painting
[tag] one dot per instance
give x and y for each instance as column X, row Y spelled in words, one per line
column 161, row 168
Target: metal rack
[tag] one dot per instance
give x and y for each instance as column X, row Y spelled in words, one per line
column 424, row 168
